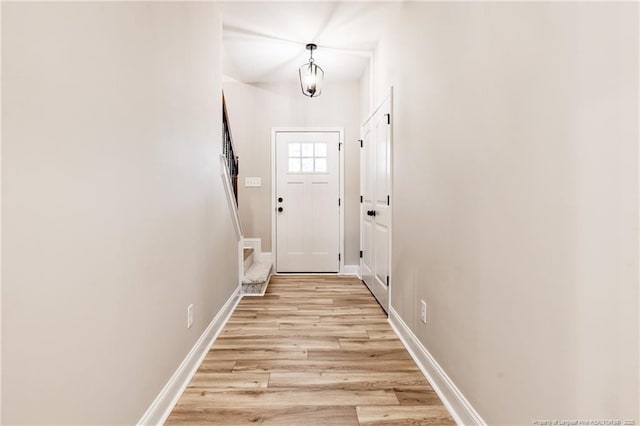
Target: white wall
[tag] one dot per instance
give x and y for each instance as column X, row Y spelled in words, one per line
column 114, row 217
column 255, row 109
column 366, row 89
column 516, row 201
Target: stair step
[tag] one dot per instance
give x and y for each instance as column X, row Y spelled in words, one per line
column 258, row 272
column 247, row 251
column 256, row 279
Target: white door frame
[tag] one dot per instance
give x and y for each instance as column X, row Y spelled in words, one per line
column 389, row 96
column 274, row 181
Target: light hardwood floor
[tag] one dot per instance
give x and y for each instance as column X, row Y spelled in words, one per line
column 315, row 350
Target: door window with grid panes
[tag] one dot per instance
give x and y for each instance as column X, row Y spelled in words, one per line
column 307, row 157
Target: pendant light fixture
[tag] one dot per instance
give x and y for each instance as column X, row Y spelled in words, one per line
column 311, row 75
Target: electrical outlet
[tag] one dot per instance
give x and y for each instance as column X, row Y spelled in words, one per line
column 190, row 315
column 423, row 311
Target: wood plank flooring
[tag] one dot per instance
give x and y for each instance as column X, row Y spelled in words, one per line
column 315, row 350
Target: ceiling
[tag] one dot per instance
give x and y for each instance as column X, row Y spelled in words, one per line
column 265, row 41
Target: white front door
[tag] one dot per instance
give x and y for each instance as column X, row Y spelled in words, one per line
column 307, row 201
column 376, row 202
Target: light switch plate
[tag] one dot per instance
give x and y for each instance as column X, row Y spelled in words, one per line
column 252, row 182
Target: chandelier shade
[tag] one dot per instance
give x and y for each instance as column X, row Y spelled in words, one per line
column 311, row 75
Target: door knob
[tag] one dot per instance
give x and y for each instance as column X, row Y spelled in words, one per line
column 280, row 199
column 280, row 209
column 371, row 212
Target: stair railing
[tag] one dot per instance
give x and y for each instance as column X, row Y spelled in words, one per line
column 229, row 173
column 232, row 160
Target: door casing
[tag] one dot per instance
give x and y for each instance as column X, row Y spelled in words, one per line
column 274, row 179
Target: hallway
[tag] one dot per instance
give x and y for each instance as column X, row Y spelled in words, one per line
column 488, row 188
column 313, row 350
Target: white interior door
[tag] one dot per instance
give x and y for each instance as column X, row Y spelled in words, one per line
column 307, row 201
column 376, row 203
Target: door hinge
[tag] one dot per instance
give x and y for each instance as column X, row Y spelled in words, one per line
column 361, row 199
column 388, row 200
column 339, row 201
column 360, row 254
column 387, row 280
column 361, row 143
column 340, row 146
column 339, row 257
column 388, row 118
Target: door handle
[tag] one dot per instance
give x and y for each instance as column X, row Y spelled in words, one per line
column 280, row 209
column 371, row 212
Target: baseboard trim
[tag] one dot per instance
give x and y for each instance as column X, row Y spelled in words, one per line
column 161, row 407
column 352, row 270
column 461, row 410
